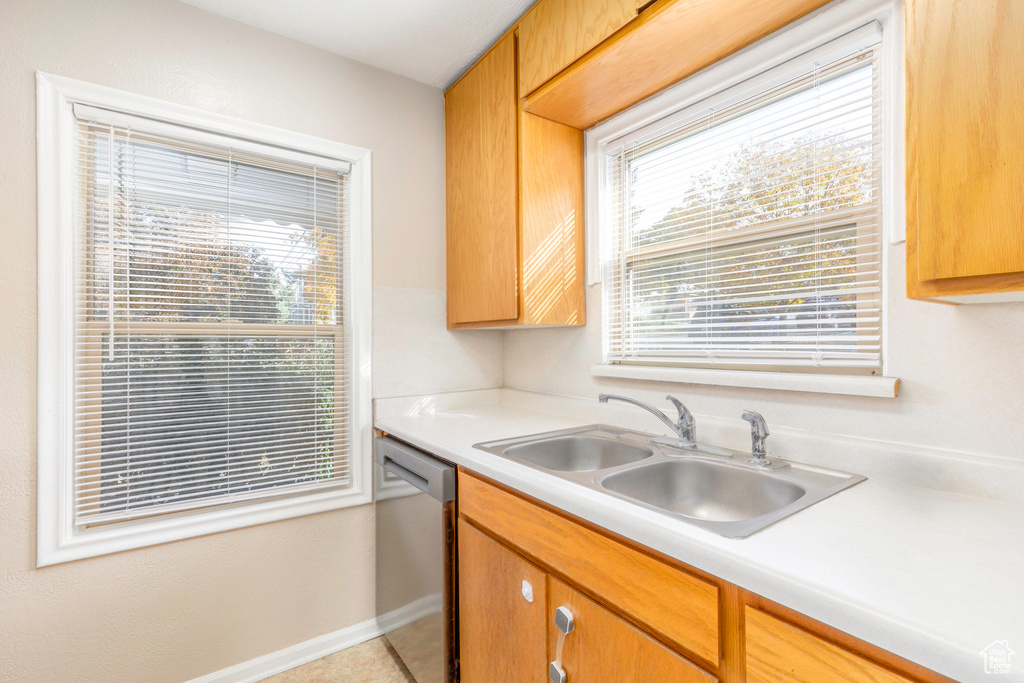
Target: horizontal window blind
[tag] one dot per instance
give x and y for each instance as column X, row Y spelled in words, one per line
column 210, row 336
column 748, row 234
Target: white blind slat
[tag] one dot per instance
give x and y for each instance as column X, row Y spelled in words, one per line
column 749, row 233
column 210, row 348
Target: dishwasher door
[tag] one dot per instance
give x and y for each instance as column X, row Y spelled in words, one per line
column 416, row 572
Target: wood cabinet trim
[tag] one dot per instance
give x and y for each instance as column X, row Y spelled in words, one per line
column 688, row 625
column 555, row 33
column 667, row 42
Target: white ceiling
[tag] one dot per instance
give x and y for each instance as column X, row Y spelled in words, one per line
column 431, row 41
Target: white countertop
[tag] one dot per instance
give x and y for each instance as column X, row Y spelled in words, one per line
column 931, row 576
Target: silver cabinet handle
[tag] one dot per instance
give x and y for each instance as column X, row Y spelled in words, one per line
column 564, row 621
column 565, row 624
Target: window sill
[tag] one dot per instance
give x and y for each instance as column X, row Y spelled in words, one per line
column 848, row 385
column 68, row 544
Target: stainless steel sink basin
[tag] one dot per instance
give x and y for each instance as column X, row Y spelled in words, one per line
column 697, row 485
column 578, row 453
column 705, row 490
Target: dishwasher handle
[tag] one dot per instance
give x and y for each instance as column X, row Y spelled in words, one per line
column 433, row 477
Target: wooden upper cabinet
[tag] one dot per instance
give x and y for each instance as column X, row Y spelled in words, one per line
column 502, row 634
column 481, row 144
column 515, row 204
column 965, row 148
column 551, row 245
column 668, row 41
column 554, row 33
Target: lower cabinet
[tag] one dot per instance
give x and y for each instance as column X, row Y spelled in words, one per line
column 779, row 651
column 544, row 596
column 604, row 647
column 503, row 614
column 509, row 631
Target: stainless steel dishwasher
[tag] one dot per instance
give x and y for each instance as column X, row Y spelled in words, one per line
column 416, row 560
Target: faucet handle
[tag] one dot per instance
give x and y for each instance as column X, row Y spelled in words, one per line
column 758, row 433
column 687, row 428
column 684, row 412
column 758, row 425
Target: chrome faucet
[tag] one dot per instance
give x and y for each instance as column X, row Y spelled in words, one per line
column 758, row 433
column 684, row 427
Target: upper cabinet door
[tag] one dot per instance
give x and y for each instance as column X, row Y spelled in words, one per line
column 965, row 141
column 555, row 33
column 482, row 222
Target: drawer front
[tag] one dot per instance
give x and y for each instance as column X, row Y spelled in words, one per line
column 778, row 652
column 681, row 607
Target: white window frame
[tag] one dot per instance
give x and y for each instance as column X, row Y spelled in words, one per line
column 797, row 39
column 59, row 540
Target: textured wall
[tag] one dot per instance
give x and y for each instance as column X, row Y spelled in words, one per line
column 177, row 611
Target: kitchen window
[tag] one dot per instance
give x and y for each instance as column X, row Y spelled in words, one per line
column 209, row 303
column 743, row 231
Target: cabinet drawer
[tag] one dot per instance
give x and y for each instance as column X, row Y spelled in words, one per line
column 680, row 606
column 778, row 652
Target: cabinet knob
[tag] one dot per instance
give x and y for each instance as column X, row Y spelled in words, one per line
column 563, row 620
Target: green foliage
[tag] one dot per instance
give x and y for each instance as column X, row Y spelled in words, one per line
column 682, row 297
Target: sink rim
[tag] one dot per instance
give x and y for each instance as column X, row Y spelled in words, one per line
column 818, row 483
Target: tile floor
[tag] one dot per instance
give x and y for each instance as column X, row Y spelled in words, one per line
column 371, row 662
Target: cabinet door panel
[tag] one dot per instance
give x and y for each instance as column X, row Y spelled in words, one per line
column 502, row 636
column 603, row 647
column 552, row 223
column 555, row 33
column 778, row 652
column 965, row 137
column 481, row 190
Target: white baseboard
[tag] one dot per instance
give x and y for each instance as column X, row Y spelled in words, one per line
column 296, row 655
column 406, row 614
column 321, row 646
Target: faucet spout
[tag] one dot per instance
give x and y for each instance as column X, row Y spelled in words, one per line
column 684, row 427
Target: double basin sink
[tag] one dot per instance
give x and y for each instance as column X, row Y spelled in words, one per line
column 722, row 494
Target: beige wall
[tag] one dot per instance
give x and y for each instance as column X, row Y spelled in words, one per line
column 177, row 611
column 961, row 370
